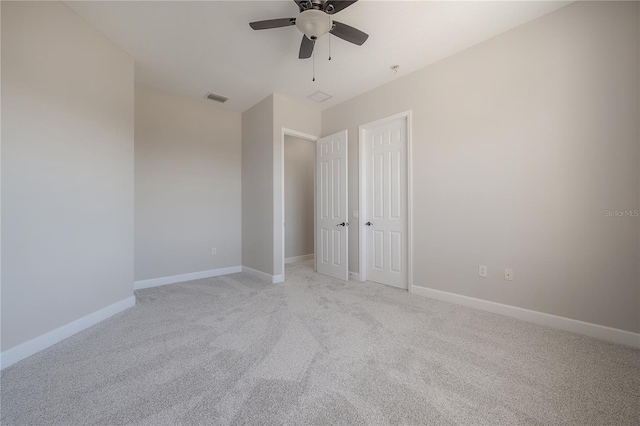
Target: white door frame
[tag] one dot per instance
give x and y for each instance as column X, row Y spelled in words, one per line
column 362, row 195
column 278, row 210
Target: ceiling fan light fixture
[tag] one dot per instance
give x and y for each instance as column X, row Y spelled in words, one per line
column 314, row 23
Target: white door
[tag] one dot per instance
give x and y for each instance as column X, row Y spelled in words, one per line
column 331, row 206
column 385, row 221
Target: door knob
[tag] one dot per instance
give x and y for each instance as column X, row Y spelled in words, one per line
column 368, row 224
column 343, row 224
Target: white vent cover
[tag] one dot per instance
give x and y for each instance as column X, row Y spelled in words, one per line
column 319, row 96
column 214, row 97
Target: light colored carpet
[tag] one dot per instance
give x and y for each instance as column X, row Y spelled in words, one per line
column 235, row 350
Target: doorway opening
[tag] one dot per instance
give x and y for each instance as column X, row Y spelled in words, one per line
column 385, row 202
column 280, row 205
column 299, row 184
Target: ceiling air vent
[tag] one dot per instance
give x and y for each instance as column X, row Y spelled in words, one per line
column 217, row 98
column 319, row 96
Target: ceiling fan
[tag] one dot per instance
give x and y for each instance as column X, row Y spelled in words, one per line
column 315, row 21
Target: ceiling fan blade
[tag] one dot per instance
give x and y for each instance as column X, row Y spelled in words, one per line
column 272, row 23
column 306, row 48
column 335, row 6
column 348, row 33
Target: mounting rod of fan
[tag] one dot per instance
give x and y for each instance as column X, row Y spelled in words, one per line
column 315, row 21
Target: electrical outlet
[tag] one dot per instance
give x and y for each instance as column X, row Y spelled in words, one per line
column 482, row 271
column 508, row 274
column 213, row 251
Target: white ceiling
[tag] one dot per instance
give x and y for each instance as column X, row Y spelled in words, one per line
column 190, row 48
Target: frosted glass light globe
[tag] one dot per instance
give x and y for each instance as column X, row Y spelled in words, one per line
column 314, row 23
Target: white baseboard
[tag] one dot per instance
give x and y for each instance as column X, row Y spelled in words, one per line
column 26, row 349
column 263, row 275
column 354, row 276
column 588, row 329
column 155, row 282
column 298, row 258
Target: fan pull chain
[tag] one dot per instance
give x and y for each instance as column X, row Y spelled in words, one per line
column 329, row 35
column 313, row 60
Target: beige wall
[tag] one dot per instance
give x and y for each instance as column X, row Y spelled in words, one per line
column 187, row 185
column 299, row 163
column 520, row 144
column 67, row 170
column 257, row 186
